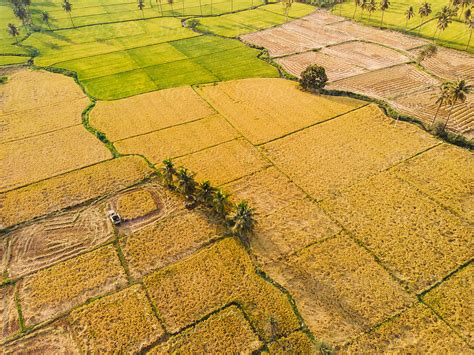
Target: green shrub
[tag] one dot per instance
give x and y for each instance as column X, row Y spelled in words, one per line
column 3, row 79
column 193, row 23
column 313, row 78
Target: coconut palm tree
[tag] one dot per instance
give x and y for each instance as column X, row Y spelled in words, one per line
column 371, row 7
column 170, row 3
column 363, row 6
column 424, row 11
column 186, row 182
column 141, row 6
column 220, row 203
column 168, row 172
column 409, row 14
column 443, row 97
column 384, row 5
column 464, row 4
column 470, row 25
column 13, row 31
column 205, row 193
column 357, row 3
column 243, row 221
column 286, row 8
column 457, row 93
column 444, row 19
column 161, row 6
column 21, row 13
column 45, row 18
column 67, row 6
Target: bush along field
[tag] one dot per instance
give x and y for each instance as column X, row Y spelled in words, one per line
column 448, row 23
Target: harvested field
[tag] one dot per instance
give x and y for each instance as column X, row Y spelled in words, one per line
column 387, row 83
column 370, row 56
column 224, row 332
column 49, row 292
column 417, row 330
column 342, row 155
column 339, row 288
column 180, row 140
column 3, row 258
column 31, row 104
column 168, row 240
column 415, row 238
column 56, row 239
column 9, row 321
column 136, row 203
column 289, row 229
column 266, row 191
column 446, row 174
column 70, row 189
column 423, row 105
column 213, row 278
column 225, row 162
column 452, row 300
column 54, row 339
column 336, row 68
column 295, row 343
column 450, row 64
column 265, row 109
column 41, row 157
column 122, row 322
column 148, row 112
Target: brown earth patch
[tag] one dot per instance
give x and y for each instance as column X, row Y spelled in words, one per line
column 9, row 320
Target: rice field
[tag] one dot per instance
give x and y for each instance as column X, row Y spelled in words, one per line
column 363, row 233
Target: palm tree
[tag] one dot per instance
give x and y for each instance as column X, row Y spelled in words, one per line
column 21, row 13
column 205, row 193
column 424, row 11
column 45, row 18
column 13, row 31
column 243, row 221
column 286, row 8
column 200, row 6
column 357, row 3
column 168, row 172
column 444, row 19
column 68, row 8
column 186, row 182
column 371, row 7
column 220, row 203
column 443, row 96
column 161, row 6
column 182, row 14
column 384, row 5
column 410, row 13
column 457, row 92
column 363, row 6
column 463, row 4
column 170, row 3
column 470, row 25
column 141, row 6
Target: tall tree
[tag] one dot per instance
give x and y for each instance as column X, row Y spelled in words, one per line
column 470, row 25
column 384, row 5
column 170, row 3
column 286, row 8
column 371, row 8
column 67, row 6
column 168, row 173
column 13, row 31
column 443, row 97
column 243, row 221
column 444, row 19
column 357, row 3
column 45, row 18
column 220, row 203
column 363, row 7
column 424, row 11
column 186, row 182
column 161, row 6
column 458, row 92
column 21, row 13
column 141, row 6
column 464, row 4
column 409, row 14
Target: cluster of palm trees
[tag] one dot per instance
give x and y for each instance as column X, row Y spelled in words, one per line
column 451, row 93
column 238, row 218
column 443, row 17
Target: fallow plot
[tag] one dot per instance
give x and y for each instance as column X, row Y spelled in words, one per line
column 344, row 156
column 339, row 288
column 70, row 189
column 9, row 321
column 450, row 64
column 416, row 330
column 148, row 112
column 412, row 235
column 336, row 68
column 262, row 114
column 387, row 83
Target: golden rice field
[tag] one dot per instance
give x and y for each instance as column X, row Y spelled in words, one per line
column 363, row 235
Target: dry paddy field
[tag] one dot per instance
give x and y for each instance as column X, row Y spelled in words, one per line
column 371, row 62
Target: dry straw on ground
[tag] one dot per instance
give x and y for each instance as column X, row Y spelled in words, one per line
column 135, row 204
column 295, row 343
column 225, row 332
column 70, row 189
column 9, row 322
